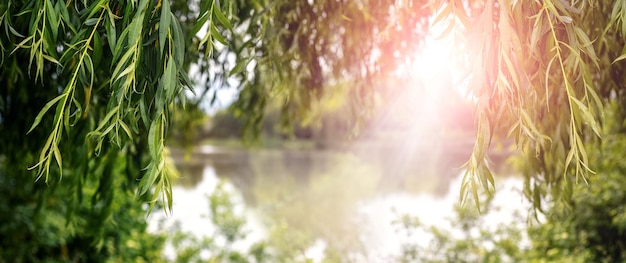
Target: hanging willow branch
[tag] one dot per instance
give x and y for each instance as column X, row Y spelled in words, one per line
column 533, row 79
column 541, row 71
column 143, row 69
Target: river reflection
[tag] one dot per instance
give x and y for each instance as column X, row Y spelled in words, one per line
column 325, row 202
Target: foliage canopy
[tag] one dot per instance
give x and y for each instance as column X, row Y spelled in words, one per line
column 87, row 79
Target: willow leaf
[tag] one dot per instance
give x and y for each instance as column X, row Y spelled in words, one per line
column 44, row 110
column 222, row 18
column 164, row 24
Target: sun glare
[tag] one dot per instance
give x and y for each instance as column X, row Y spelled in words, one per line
column 433, row 95
column 432, row 59
column 435, row 64
column 432, row 90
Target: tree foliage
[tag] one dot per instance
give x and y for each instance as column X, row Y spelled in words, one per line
column 87, row 88
column 540, row 71
column 107, row 70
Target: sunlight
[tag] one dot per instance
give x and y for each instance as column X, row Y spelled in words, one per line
column 437, row 65
column 428, row 119
column 435, row 89
column 433, row 59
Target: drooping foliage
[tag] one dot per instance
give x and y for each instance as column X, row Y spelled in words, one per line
column 539, row 71
column 294, row 51
column 87, row 88
column 100, row 74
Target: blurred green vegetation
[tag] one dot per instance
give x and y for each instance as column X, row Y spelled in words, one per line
column 229, row 229
column 468, row 239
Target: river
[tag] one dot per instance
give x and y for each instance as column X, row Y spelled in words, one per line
column 344, row 201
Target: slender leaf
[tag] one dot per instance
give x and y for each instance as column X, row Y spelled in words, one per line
column 44, row 110
column 164, row 24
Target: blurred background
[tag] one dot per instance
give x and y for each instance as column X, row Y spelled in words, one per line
column 329, row 189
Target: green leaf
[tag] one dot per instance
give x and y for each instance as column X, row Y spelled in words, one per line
column 111, row 35
column 62, row 9
column 587, row 44
column 179, row 42
column 121, row 64
column 143, row 111
column 487, row 180
column 222, row 18
column 240, row 66
column 134, row 30
column 205, row 5
column 89, row 67
column 97, row 49
column 44, row 110
column 106, row 118
column 91, row 21
column 153, row 139
column 57, row 156
column 53, row 20
column 79, row 111
column 216, row 34
column 164, row 24
column 120, row 45
column 199, row 24
column 126, row 71
column 475, row 194
column 126, row 129
column 148, row 179
column 169, row 79
column 14, row 32
column 568, row 159
column 66, row 119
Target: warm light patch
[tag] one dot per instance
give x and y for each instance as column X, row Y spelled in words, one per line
column 437, row 65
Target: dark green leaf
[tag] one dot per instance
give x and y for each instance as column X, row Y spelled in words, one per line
column 97, row 49
column 111, row 35
column 53, row 20
column 216, row 34
column 44, row 110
